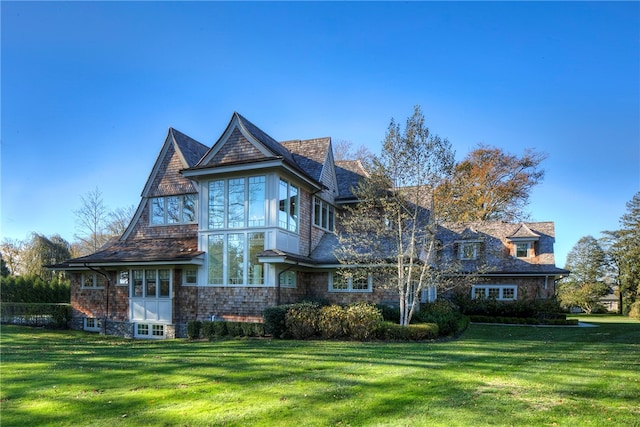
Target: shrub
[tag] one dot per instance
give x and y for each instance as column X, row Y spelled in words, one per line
column 193, row 329
column 332, row 322
column 234, row 329
column 252, row 329
column 274, row 321
column 393, row 332
column 220, row 329
column 207, row 330
column 362, row 321
column 423, row 331
column 390, row 313
column 441, row 312
column 301, row 320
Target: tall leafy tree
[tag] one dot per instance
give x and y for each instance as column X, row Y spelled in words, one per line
column 490, row 184
column 586, row 283
column 624, row 250
column 394, row 226
column 41, row 251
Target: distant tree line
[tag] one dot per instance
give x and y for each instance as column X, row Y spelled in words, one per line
column 609, row 264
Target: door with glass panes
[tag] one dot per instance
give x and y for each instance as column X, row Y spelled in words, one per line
column 150, row 295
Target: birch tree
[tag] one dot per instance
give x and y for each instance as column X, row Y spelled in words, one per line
column 393, row 229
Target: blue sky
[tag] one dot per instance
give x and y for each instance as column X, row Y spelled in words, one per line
column 89, row 90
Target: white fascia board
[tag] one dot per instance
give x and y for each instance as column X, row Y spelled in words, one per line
column 84, row 266
column 219, row 170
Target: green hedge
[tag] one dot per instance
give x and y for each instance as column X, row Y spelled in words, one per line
column 414, row 332
column 32, row 289
column 35, row 314
column 212, row 330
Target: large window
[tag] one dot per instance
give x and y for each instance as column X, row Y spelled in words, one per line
column 498, row 292
column 173, row 210
column 288, row 206
column 151, row 283
column 237, row 202
column 323, row 214
column 350, row 282
column 233, row 259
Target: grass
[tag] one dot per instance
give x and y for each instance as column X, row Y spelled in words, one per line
column 491, row 375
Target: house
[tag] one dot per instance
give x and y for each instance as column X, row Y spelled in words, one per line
column 223, row 232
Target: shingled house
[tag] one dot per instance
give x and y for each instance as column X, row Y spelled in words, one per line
column 225, row 231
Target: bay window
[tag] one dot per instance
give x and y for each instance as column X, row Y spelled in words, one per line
column 233, row 259
column 237, row 202
column 288, row 206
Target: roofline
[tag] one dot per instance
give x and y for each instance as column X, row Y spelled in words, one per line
column 83, row 266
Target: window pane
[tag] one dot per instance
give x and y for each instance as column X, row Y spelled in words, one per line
column 317, row 217
column 293, row 208
column 150, row 281
column 340, row 282
column 468, row 251
column 215, row 259
column 87, row 280
column 124, row 278
column 508, row 293
column 163, row 276
column 173, row 210
column 283, row 204
column 142, row 329
column 157, row 330
column 522, row 250
column 191, row 276
column 236, row 203
column 494, row 293
column 325, row 217
column 189, row 208
column 216, row 204
column 332, row 214
column 257, row 197
column 256, row 245
column 360, row 283
column 235, row 259
column 137, row 283
column 157, row 210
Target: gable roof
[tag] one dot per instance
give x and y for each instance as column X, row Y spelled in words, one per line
column 192, row 151
column 349, row 173
column 310, row 154
column 524, row 233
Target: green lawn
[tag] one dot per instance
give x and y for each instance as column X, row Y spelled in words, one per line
column 491, row 375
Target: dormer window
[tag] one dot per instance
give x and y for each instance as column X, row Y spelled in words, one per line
column 468, row 250
column 173, row 210
column 522, row 249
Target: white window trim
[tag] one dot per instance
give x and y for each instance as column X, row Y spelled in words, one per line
column 150, row 329
column 284, row 277
column 318, row 220
column 95, row 281
column 184, row 276
column 165, row 202
column 485, row 289
column 97, row 324
column 529, row 249
column 474, row 243
column 350, row 285
column 225, row 207
column 246, row 255
column 144, row 284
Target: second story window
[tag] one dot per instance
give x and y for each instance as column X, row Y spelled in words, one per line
column 173, row 210
column 288, row 201
column 523, row 249
column 237, row 202
column 323, row 214
column 469, row 250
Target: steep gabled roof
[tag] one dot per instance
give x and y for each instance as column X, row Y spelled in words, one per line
column 178, row 152
column 523, row 233
column 192, row 151
column 349, row 173
column 310, row 154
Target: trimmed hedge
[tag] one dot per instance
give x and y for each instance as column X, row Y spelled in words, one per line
column 212, row 330
column 32, row 289
column 414, row 332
